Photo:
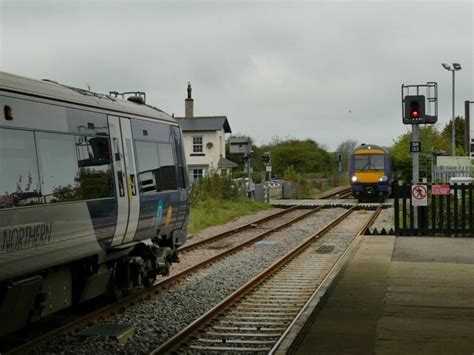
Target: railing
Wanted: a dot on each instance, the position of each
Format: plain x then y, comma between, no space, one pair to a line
444,173
445,215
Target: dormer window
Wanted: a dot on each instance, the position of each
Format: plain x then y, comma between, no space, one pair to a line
197,144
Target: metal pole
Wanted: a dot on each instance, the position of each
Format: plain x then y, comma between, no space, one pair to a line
249,193
467,129
453,131
415,137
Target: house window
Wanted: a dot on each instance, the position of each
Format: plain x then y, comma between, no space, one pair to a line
197,144
197,174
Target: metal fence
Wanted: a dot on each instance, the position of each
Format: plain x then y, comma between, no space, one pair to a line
445,215
444,173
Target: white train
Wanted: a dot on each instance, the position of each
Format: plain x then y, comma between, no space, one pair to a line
93,196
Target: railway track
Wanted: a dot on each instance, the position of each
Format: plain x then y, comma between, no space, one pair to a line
192,245
144,294
342,193
254,318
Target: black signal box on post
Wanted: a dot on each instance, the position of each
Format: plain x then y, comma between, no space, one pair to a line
421,108
265,157
414,109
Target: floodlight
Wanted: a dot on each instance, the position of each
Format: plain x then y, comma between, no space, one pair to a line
446,66
457,66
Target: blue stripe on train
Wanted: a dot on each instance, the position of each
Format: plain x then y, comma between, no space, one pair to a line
104,218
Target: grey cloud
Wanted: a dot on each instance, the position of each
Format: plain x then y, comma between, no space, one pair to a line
275,68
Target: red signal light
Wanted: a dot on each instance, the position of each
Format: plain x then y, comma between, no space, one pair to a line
415,114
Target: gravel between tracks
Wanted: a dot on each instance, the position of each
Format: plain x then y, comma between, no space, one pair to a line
159,318
196,255
320,263
237,222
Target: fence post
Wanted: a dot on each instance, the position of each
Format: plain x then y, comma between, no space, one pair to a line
441,215
448,213
471,216
455,207
396,206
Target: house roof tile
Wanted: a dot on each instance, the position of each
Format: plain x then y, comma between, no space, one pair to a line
204,123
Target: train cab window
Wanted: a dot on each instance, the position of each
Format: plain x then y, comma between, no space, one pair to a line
369,162
58,167
19,182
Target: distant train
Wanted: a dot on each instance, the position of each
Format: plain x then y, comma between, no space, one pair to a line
93,196
370,173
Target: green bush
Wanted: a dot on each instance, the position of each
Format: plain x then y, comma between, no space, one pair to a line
214,186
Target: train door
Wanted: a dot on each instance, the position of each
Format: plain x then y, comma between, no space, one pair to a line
131,179
182,175
125,180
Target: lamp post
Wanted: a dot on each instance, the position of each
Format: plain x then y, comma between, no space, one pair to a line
456,67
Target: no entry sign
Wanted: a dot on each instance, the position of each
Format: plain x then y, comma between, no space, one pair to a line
419,195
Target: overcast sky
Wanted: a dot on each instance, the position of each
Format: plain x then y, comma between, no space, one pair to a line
329,70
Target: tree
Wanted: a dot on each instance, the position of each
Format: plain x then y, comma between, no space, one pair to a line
305,156
460,126
347,146
431,141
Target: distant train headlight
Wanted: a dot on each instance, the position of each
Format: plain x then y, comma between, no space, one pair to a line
383,179
354,178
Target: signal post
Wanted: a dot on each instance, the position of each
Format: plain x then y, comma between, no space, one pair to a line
418,109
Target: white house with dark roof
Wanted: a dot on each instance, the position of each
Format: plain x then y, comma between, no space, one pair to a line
204,142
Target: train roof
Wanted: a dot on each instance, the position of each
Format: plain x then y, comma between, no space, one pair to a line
369,146
55,91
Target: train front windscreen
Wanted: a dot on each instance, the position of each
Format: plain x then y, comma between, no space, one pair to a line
365,162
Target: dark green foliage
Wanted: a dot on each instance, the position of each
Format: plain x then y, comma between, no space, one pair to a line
214,186
459,125
305,156
431,141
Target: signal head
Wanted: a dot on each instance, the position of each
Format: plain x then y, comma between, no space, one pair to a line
414,109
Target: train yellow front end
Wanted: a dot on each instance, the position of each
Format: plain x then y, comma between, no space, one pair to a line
370,173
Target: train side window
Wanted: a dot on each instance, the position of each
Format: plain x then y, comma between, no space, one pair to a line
58,167
94,161
167,167
147,166
19,181
150,131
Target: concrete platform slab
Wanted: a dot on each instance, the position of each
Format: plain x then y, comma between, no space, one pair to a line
399,296
434,249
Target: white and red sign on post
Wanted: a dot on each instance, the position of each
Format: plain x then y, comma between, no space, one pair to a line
440,189
419,195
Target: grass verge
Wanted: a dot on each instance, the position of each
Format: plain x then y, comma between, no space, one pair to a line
214,212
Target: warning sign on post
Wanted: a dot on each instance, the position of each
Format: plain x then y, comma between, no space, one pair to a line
419,195
441,189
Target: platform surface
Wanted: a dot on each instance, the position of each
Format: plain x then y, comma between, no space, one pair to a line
400,295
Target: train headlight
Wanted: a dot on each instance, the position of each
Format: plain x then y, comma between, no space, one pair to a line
383,178
354,178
